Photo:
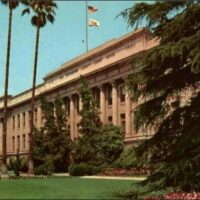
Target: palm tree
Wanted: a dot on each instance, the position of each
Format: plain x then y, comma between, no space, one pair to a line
43,11
11,6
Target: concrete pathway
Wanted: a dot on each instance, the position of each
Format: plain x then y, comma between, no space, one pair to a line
136,178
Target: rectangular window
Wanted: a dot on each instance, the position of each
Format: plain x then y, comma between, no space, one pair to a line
109,95
123,122
18,142
35,115
13,122
13,143
29,118
18,121
68,106
24,120
24,141
110,120
77,104
122,93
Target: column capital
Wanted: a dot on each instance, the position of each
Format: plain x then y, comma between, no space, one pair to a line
70,96
101,86
113,83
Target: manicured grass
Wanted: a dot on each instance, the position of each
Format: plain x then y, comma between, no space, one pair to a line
62,188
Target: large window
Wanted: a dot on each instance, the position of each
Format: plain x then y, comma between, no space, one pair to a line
123,122
24,120
18,142
18,121
35,116
13,143
110,120
122,93
13,122
24,141
109,95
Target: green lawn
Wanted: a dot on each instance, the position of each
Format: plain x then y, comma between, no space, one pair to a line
62,188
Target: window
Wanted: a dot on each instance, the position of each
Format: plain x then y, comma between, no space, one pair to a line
24,141
13,122
110,120
13,143
24,120
18,142
29,118
35,116
123,122
68,127
68,106
109,95
122,93
77,104
97,96
18,121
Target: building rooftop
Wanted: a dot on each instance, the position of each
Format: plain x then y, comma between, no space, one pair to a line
91,52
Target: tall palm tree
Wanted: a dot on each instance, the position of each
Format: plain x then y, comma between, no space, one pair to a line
43,11
11,6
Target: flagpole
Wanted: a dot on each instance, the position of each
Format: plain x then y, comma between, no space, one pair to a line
86,39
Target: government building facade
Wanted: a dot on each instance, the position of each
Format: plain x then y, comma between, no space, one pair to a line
105,68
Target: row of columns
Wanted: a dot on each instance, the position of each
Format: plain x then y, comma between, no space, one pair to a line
74,116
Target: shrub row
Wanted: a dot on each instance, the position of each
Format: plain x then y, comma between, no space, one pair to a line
83,169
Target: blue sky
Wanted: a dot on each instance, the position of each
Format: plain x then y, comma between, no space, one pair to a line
59,42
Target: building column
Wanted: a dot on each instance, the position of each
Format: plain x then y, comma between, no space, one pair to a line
102,104
80,103
114,104
76,115
39,116
128,115
72,117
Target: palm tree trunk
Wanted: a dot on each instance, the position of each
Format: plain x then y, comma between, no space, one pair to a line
31,164
4,169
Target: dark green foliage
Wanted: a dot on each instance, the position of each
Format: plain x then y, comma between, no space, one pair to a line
83,169
90,125
162,77
52,142
97,144
18,164
109,144
127,159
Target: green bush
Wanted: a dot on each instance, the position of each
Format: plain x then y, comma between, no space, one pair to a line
127,159
43,170
24,165
83,169
109,144
18,164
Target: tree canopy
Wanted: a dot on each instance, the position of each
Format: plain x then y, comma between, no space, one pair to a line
167,81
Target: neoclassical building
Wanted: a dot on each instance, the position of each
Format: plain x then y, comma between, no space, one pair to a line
106,68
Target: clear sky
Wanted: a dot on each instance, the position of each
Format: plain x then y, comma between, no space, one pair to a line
59,42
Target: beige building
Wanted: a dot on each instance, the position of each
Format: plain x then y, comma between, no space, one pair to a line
106,68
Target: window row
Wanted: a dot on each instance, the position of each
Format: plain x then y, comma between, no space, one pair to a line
22,120
18,142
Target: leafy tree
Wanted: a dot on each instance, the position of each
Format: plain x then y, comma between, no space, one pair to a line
43,11
90,126
97,144
109,144
167,78
51,144
11,6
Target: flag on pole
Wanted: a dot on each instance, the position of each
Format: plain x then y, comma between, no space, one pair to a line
93,22
91,9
